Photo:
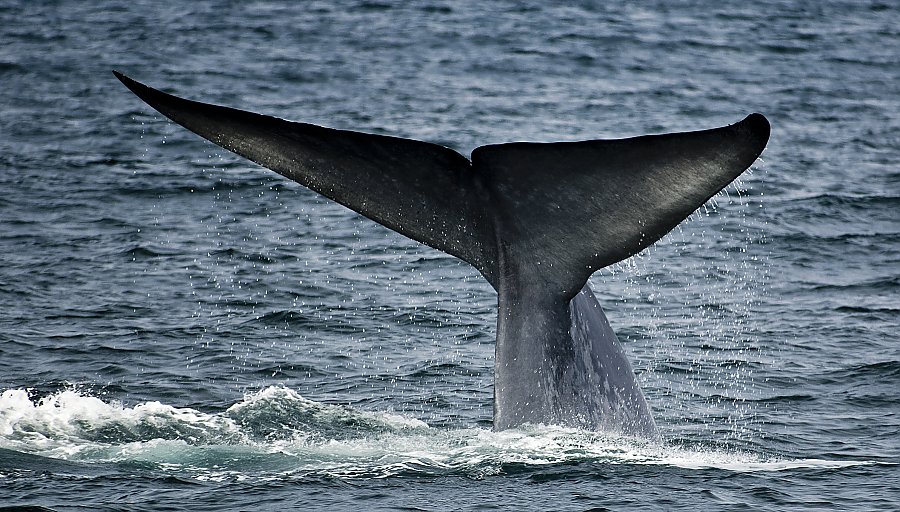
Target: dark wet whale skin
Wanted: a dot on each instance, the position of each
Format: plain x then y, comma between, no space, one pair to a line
564,366
536,219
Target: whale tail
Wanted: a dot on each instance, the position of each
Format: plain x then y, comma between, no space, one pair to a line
555,212
535,219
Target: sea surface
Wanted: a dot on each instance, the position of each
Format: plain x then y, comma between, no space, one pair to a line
183,330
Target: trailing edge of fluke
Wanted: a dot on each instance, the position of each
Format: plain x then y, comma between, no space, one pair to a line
536,219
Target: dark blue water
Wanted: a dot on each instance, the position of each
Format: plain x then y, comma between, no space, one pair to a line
181,329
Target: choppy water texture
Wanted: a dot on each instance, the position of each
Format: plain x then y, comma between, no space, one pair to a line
181,329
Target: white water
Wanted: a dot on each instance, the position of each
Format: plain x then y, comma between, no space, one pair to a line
277,433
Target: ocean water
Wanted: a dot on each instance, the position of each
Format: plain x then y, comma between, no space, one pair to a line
180,329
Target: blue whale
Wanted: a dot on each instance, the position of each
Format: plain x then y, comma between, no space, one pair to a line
535,219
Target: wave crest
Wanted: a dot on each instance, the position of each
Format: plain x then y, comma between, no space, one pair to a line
277,433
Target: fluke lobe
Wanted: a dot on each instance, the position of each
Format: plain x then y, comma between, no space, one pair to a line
536,219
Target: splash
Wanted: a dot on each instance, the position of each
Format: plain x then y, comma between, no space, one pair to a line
276,433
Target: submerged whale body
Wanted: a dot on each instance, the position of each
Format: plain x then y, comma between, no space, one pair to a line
535,219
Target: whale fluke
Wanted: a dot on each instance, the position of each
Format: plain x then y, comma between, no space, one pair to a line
536,219
576,207
421,190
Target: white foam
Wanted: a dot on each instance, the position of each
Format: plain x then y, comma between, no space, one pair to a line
300,436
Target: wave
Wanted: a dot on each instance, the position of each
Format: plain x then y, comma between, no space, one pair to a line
276,433
881,370
848,200
881,283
